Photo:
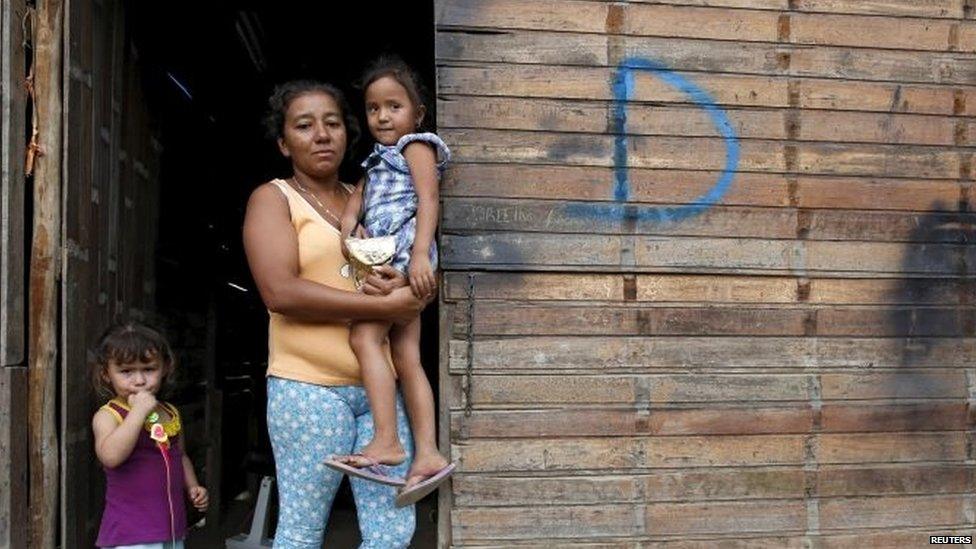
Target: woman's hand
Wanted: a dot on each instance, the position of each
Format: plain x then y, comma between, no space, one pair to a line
383,280
421,276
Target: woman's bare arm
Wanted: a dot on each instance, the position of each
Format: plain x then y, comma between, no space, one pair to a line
354,205
271,246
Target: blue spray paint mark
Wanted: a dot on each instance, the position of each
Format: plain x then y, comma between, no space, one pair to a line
623,90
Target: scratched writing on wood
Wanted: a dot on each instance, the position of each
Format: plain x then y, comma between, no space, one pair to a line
502,214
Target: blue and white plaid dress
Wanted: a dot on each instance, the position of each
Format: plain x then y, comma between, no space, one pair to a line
390,199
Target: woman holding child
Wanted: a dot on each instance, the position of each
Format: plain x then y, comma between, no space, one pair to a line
318,407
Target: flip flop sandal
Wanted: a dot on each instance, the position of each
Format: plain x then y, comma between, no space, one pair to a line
417,492
373,471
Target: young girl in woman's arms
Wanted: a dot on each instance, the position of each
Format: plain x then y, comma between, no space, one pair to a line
399,198
138,441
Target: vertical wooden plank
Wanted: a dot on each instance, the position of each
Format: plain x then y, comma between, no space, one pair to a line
13,376
137,223
447,397
117,156
13,458
101,39
445,387
44,271
13,113
147,283
125,226
13,380
129,222
80,477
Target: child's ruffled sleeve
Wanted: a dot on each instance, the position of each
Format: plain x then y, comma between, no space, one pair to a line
443,153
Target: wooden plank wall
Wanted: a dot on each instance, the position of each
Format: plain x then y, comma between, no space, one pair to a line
111,210
790,364
13,124
13,373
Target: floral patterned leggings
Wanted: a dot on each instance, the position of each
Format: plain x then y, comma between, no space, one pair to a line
308,423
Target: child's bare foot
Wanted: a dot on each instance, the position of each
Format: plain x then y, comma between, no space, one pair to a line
424,466
389,453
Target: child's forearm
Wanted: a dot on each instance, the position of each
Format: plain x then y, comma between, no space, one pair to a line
422,160
118,445
427,210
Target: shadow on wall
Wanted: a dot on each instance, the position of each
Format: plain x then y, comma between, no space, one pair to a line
935,321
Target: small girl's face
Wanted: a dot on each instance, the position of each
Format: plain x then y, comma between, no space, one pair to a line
132,377
389,111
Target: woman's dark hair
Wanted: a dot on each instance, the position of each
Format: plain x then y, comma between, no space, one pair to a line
284,94
125,343
394,67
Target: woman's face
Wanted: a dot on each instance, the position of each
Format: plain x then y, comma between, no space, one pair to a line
314,136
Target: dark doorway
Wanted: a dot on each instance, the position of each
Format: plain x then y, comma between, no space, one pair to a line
208,69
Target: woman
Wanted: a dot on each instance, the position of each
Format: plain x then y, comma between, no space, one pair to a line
317,406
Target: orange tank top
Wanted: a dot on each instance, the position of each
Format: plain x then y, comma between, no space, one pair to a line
313,351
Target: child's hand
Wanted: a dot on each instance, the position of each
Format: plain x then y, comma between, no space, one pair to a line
421,276
142,402
199,497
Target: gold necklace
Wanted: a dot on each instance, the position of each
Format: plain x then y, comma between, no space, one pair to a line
316,199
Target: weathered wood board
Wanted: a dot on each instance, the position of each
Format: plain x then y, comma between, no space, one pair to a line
14,488
13,130
709,273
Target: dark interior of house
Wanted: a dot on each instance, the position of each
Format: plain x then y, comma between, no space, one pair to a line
208,69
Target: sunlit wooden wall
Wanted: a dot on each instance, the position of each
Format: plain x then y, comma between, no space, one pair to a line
728,297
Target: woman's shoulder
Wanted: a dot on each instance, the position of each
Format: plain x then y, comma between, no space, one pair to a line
272,192
274,186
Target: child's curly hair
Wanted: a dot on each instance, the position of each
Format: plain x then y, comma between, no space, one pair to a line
125,343
394,67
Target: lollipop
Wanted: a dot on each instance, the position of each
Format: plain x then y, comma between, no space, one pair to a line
158,433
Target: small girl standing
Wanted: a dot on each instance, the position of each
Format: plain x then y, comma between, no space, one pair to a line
138,442
398,197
